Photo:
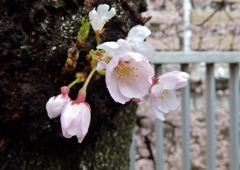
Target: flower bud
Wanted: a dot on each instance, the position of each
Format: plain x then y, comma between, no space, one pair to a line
55,104
75,119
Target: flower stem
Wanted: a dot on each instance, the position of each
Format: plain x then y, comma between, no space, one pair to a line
88,79
83,91
77,80
97,35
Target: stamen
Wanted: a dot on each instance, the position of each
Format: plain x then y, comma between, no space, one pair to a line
126,72
162,96
165,92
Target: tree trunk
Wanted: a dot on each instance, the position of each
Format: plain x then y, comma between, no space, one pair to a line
35,36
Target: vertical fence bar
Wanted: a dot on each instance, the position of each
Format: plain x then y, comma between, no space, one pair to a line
234,116
187,33
185,123
210,117
132,152
159,133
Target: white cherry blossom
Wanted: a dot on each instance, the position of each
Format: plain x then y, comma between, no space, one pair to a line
163,97
100,16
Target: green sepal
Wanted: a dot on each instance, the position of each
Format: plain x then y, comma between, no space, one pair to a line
84,29
95,55
103,72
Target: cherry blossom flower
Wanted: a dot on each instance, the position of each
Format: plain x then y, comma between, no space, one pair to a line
115,48
101,16
128,76
163,96
55,104
136,38
112,49
75,118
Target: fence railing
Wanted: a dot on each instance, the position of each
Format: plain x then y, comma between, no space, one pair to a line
184,59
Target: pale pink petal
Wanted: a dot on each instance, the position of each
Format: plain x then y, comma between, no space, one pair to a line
139,80
112,82
182,79
101,16
85,122
69,112
144,48
66,135
169,102
114,90
74,127
156,89
138,33
110,70
101,65
54,106
102,9
79,125
75,120
111,13
93,14
155,101
157,113
96,22
124,46
168,80
108,47
113,49
136,38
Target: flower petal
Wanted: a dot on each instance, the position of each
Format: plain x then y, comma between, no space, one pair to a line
110,70
70,112
143,48
110,13
54,106
155,101
85,122
139,81
102,9
156,89
114,90
168,80
182,79
75,120
138,33
101,65
169,102
113,49
157,113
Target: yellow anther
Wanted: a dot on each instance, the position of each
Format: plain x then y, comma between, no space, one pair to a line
162,96
166,91
126,72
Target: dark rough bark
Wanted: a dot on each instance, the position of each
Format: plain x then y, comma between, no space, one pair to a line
35,36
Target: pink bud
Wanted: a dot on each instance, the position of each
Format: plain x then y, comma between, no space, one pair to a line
65,90
75,120
55,104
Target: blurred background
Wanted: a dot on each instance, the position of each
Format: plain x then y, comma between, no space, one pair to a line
197,135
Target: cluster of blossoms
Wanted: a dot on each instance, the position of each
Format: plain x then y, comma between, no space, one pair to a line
128,76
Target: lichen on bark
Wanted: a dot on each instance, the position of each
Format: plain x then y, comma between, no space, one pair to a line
35,36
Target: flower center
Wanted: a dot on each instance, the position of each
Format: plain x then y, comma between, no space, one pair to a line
162,96
126,72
